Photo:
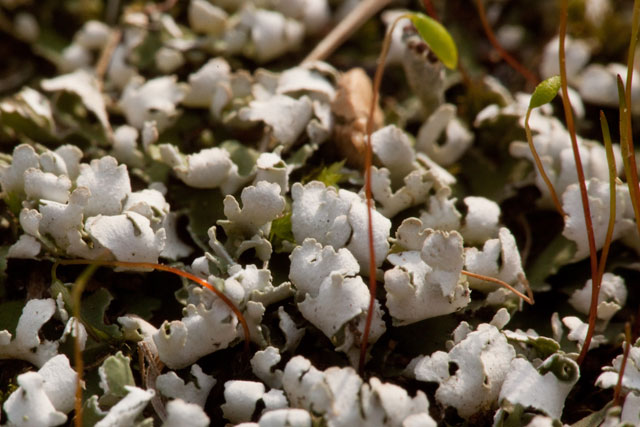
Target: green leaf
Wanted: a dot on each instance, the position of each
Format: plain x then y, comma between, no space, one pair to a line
557,253
28,114
93,313
4,251
563,367
10,312
437,37
116,374
204,208
244,157
57,287
281,231
143,306
545,92
595,419
144,54
91,412
330,175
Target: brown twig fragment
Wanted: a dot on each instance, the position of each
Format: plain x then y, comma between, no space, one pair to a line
107,53
354,20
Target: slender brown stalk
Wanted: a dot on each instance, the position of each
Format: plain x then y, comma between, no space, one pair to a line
581,179
522,279
431,11
617,395
76,297
367,190
613,173
107,53
536,158
528,299
176,271
514,63
596,281
630,158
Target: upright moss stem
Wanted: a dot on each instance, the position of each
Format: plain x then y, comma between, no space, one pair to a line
517,66
617,395
568,113
631,170
543,174
368,160
613,173
76,298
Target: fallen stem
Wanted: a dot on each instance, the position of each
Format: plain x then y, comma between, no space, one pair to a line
341,32
566,103
528,299
176,271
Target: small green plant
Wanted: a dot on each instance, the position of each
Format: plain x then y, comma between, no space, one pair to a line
568,112
442,45
628,157
543,94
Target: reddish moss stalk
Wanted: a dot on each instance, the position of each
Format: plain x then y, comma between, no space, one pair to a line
543,174
76,296
612,201
568,113
431,11
617,395
527,298
521,69
632,170
368,161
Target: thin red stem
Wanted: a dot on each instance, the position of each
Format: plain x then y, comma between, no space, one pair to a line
568,114
431,11
79,365
528,299
611,161
368,160
617,395
177,271
632,173
543,174
76,296
514,63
